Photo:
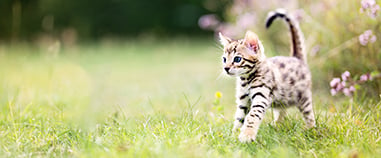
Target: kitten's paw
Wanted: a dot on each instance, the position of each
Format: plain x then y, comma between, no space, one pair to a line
247,135
310,123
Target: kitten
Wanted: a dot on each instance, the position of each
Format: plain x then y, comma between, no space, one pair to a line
278,81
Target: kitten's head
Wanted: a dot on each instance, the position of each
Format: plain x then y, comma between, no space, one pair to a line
241,56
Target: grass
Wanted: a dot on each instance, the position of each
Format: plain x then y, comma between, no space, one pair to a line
156,99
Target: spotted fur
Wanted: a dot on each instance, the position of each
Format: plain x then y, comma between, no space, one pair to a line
262,82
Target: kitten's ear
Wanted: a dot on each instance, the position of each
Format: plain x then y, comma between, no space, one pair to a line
224,40
251,40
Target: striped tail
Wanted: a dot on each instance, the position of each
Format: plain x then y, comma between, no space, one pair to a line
297,49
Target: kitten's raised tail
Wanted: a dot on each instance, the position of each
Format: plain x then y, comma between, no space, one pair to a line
297,39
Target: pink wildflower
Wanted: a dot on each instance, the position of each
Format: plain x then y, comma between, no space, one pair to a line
352,89
365,4
209,21
370,7
347,92
365,77
367,37
333,92
246,20
373,11
373,39
343,83
345,76
334,82
340,86
228,30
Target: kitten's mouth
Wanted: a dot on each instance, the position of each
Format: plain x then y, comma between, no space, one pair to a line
227,70
231,74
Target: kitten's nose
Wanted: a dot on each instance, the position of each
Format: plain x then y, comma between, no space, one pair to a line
227,69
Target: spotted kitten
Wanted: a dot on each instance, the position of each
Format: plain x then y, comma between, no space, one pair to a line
278,81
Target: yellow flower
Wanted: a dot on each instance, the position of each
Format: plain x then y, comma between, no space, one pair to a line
358,122
218,94
332,109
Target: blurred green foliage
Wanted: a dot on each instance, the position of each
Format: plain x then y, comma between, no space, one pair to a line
25,19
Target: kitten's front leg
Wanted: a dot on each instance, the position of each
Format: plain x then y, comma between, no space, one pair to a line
243,103
260,101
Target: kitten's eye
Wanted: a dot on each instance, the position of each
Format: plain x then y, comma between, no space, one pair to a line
237,59
224,59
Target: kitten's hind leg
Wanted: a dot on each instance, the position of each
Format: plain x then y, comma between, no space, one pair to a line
305,107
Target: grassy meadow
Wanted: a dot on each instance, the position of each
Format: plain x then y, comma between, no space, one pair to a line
157,98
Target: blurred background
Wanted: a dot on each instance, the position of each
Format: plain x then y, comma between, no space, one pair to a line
29,20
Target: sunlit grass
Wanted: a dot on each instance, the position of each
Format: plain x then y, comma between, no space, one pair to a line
157,99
